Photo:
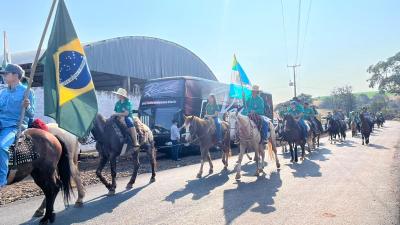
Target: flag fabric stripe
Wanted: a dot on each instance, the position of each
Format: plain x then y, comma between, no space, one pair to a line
69,94
240,83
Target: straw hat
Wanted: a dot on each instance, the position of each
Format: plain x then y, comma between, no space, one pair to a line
122,92
255,88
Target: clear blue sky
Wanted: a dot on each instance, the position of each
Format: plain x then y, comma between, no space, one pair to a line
344,36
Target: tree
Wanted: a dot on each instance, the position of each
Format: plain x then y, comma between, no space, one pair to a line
378,103
363,99
343,98
305,98
386,75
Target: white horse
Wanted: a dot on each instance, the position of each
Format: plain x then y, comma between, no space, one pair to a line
72,144
250,138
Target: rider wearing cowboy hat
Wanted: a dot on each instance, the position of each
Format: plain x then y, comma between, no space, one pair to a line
255,105
123,109
11,103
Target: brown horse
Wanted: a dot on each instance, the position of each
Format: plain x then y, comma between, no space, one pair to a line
110,139
202,132
51,170
72,146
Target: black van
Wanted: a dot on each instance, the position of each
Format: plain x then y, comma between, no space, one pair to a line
165,99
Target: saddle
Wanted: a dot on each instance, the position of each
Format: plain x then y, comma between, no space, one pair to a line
22,152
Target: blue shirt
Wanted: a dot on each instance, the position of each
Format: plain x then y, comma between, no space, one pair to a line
11,105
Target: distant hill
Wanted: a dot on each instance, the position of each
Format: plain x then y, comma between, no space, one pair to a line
370,94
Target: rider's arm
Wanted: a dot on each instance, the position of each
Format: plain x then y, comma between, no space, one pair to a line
30,111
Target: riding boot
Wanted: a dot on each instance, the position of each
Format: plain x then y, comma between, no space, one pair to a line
132,132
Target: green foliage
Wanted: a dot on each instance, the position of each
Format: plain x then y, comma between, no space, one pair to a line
386,75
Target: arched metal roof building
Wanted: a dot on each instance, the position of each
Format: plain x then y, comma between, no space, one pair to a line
113,61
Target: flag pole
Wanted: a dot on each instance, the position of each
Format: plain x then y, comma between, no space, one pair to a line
33,68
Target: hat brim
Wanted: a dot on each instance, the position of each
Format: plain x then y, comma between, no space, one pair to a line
120,94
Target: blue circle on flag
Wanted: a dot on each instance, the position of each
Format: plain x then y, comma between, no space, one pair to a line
74,72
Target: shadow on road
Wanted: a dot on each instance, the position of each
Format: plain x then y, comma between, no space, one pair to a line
380,147
92,208
260,192
307,168
200,187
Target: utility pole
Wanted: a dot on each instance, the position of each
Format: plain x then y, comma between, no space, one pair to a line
294,78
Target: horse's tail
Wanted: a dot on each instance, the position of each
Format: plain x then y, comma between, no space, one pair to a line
64,172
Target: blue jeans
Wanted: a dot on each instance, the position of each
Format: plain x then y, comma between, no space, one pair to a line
176,148
218,131
129,121
264,128
303,127
7,137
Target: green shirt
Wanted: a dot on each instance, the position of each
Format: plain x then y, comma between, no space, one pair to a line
296,111
255,104
308,113
125,106
211,109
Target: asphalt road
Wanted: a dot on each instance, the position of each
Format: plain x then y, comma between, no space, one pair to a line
338,184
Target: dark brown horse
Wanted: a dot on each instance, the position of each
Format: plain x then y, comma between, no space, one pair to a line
51,170
202,131
110,139
292,134
366,129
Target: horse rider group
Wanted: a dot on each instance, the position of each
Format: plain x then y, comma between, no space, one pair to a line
255,107
301,112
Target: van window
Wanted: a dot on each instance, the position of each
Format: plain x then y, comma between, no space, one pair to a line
164,116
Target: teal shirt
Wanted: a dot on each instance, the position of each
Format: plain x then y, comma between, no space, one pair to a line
254,104
296,111
211,109
309,113
125,106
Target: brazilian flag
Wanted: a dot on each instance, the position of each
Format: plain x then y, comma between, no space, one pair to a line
69,94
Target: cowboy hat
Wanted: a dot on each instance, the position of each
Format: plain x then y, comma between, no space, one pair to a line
122,92
255,88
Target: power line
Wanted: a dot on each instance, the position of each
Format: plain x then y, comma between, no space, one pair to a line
284,32
298,31
285,36
305,32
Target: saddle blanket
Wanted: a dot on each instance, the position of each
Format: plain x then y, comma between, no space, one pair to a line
22,152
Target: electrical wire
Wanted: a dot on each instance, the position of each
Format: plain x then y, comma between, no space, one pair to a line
298,31
305,32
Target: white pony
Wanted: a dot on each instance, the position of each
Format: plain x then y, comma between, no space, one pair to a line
249,138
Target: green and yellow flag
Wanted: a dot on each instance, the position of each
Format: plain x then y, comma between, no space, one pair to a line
69,94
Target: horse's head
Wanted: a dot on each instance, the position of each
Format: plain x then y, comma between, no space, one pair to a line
231,119
288,123
190,127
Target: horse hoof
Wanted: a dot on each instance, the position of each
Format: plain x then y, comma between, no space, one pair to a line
278,165
78,204
211,171
52,218
198,175
44,221
296,160
292,160
111,193
238,176
129,186
38,213
152,180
